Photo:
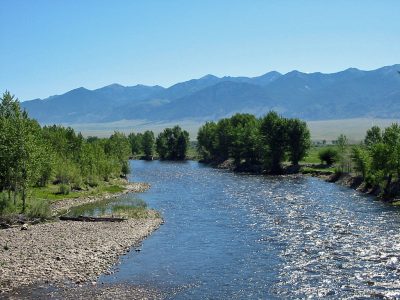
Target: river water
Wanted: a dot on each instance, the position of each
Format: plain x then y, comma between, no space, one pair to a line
257,237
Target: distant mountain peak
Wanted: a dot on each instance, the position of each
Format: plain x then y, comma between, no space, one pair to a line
114,85
209,76
345,94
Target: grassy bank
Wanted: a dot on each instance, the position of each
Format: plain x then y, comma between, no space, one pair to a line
40,199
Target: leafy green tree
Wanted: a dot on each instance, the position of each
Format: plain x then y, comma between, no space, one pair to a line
20,148
328,155
207,141
147,141
299,141
344,157
362,161
245,136
224,139
118,145
391,138
136,142
182,143
274,135
373,136
172,143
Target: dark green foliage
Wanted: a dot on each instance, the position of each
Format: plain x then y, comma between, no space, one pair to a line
148,144
328,155
373,136
299,141
275,136
245,139
362,161
136,141
253,143
172,143
207,141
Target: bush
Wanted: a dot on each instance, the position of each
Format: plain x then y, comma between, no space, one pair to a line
328,155
40,209
92,181
3,203
64,189
125,170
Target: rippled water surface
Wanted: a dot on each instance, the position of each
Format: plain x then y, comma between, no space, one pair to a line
256,237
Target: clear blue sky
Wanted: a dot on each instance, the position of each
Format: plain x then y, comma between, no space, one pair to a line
50,47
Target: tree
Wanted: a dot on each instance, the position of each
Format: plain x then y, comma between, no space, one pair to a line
274,135
182,144
391,138
344,160
207,141
224,139
148,144
328,155
245,140
136,142
20,148
362,161
373,136
172,143
299,141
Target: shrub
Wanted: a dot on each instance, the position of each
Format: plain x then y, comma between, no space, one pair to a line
328,155
64,189
3,203
39,209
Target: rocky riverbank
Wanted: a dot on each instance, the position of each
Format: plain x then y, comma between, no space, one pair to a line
68,252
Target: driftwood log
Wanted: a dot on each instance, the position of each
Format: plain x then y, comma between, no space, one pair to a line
92,219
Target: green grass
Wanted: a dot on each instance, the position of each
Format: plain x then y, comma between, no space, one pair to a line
51,192
111,189
135,209
133,212
313,154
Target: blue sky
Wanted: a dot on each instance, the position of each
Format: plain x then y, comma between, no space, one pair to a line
50,47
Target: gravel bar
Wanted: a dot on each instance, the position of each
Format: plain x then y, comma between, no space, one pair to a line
66,252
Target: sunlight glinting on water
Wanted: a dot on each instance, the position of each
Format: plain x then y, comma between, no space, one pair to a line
255,237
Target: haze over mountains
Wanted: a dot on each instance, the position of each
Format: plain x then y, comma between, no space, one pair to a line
351,93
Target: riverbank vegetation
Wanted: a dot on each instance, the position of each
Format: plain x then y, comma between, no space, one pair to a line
371,166
254,144
377,160
170,144
52,161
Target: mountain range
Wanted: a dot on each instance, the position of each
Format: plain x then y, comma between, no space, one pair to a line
351,93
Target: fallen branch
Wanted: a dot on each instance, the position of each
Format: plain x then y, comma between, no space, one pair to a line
92,219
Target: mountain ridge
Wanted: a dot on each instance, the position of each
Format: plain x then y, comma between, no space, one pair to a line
351,93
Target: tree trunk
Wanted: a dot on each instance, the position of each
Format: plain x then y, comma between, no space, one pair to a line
23,200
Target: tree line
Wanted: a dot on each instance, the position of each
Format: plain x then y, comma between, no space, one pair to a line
34,156
170,144
253,143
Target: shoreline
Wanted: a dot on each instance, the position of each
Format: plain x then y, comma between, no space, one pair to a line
60,253
354,182
59,206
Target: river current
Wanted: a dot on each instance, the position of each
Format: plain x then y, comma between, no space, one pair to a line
241,236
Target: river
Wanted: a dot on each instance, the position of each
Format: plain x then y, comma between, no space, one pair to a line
241,236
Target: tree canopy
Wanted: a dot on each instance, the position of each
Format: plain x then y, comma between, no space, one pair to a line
264,142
